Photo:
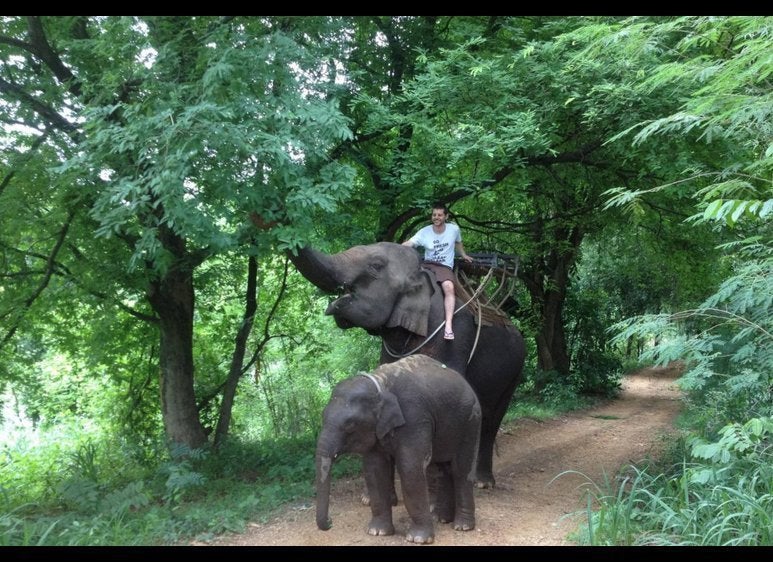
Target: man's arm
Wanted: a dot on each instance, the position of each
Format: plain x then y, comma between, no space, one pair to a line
460,250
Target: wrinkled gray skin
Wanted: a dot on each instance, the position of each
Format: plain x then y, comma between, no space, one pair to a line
416,413
383,290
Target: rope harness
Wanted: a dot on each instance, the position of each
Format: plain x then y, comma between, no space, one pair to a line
375,381
475,295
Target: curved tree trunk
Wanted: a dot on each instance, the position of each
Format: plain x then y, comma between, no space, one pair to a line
240,347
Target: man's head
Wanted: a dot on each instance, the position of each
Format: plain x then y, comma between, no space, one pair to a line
439,214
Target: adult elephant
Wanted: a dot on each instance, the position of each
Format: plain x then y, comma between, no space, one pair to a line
384,290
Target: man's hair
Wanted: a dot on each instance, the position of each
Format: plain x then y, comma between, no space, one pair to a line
439,205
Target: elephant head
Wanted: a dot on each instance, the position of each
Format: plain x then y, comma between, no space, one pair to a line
381,286
359,413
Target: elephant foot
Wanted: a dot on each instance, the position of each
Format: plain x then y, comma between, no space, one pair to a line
443,515
464,524
420,536
484,481
380,530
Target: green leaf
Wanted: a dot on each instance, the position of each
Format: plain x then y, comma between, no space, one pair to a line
712,211
702,476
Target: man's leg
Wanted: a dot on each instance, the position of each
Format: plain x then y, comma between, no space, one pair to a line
449,302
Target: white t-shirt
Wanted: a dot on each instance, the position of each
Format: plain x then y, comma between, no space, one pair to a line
438,247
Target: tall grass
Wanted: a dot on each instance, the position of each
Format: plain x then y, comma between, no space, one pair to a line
192,494
724,497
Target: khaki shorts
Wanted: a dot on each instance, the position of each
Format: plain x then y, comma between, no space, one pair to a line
442,272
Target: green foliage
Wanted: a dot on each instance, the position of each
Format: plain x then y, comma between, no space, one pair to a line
196,152
596,368
723,498
170,134
179,475
545,394
194,493
725,340
16,531
737,443
725,64
172,131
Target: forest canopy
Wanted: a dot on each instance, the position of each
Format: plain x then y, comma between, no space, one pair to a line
157,171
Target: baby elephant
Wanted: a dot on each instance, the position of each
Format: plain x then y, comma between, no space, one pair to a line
413,412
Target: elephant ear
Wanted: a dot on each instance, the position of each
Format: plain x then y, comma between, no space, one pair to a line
390,416
411,310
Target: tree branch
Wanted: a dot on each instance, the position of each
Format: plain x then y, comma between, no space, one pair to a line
24,157
576,156
104,296
17,43
46,112
42,48
269,318
50,264
719,313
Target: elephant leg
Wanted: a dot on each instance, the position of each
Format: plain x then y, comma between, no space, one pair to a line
378,476
413,478
484,475
365,498
463,471
433,476
445,503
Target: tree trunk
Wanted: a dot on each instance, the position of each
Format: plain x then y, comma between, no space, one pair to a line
172,299
547,279
552,353
237,360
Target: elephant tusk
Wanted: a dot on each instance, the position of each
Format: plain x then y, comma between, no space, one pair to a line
338,303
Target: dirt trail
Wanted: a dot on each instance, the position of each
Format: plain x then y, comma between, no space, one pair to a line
529,506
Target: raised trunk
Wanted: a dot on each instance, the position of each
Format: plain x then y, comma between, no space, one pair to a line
324,463
318,268
172,299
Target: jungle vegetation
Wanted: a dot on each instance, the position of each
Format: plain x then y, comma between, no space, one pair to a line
162,366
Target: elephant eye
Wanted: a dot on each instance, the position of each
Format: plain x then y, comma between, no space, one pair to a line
375,268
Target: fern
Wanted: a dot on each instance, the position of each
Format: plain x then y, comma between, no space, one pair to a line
179,473
131,497
80,494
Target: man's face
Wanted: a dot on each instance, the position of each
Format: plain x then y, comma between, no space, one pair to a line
438,217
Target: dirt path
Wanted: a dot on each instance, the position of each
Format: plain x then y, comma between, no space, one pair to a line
529,506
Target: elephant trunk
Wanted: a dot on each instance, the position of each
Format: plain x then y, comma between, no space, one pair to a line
321,269
324,464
